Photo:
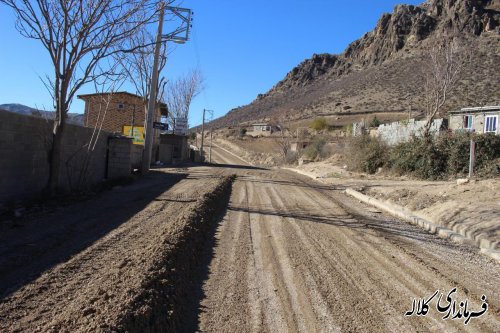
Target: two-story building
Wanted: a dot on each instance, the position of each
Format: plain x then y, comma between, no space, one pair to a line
123,113
119,112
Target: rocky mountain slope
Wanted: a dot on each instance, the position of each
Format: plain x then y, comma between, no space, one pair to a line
73,118
384,69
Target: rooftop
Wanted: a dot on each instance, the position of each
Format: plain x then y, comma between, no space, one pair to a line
104,94
478,109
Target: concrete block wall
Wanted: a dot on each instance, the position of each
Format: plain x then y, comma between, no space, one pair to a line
166,152
136,156
24,152
119,158
402,131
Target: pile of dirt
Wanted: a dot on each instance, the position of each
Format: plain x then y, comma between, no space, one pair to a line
140,276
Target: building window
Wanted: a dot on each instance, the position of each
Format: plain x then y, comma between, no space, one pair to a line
468,122
120,106
490,124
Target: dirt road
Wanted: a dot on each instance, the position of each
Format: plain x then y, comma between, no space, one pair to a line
295,256
285,255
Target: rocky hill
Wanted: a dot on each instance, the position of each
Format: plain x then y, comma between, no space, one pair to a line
73,118
384,69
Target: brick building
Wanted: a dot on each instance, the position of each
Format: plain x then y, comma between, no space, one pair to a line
116,110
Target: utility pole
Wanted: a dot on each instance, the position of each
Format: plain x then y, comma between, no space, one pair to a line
180,35
148,142
202,135
203,131
210,151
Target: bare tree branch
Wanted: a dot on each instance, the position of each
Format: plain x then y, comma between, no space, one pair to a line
445,66
181,92
78,35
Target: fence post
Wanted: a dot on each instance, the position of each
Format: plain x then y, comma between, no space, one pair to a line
472,157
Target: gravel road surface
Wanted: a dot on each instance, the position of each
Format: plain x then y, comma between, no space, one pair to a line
286,255
296,256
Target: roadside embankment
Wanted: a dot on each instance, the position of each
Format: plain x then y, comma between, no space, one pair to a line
160,304
142,275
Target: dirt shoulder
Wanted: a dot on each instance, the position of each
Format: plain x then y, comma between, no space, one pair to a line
121,262
472,208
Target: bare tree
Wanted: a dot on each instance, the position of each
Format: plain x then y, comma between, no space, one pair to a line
181,92
78,35
138,65
284,138
445,66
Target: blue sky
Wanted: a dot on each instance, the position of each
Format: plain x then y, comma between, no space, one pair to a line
242,48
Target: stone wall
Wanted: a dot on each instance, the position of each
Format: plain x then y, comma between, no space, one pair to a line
402,131
24,149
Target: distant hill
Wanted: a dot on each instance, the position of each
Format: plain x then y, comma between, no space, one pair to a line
383,70
73,118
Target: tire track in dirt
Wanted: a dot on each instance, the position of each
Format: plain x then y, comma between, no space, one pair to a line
332,254
419,256
420,279
322,264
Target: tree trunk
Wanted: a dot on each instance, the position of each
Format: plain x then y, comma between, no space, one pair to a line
427,126
55,161
55,158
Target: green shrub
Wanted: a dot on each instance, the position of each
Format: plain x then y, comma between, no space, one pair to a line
491,169
319,124
366,154
314,149
456,147
421,157
375,122
446,156
487,150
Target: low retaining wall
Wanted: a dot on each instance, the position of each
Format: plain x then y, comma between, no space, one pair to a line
487,247
119,157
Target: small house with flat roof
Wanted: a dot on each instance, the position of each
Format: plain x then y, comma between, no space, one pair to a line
480,120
